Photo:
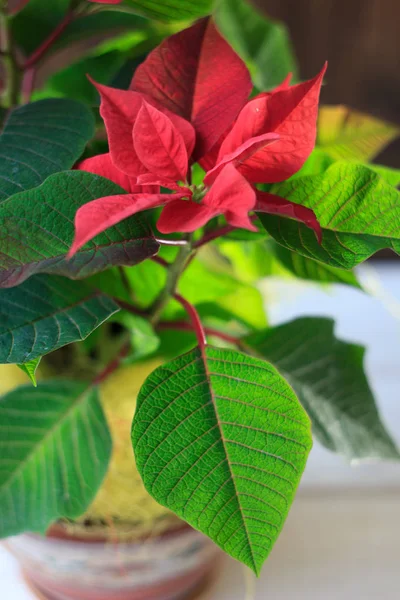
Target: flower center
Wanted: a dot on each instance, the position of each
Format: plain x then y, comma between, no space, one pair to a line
199,191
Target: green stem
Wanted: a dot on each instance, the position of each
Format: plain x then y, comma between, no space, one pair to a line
175,270
10,94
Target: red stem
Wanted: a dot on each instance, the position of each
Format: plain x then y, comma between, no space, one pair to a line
217,233
113,365
160,261
194,316
184,326
53,37
28,84
130,308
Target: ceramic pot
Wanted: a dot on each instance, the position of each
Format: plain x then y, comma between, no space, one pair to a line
170,567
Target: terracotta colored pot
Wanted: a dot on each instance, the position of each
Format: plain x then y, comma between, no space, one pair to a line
171,567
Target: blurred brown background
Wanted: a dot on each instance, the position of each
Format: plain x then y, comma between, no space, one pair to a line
361,41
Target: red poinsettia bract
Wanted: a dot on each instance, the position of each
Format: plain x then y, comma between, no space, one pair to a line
189,102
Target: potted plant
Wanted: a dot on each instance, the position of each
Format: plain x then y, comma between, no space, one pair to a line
133,237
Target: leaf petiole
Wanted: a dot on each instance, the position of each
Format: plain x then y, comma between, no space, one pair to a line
195,318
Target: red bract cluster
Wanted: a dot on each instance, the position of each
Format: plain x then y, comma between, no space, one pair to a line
188,102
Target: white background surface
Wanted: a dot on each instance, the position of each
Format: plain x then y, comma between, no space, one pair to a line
342,538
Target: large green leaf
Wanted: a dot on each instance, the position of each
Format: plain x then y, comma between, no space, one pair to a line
312,270
55,447
48,312
221,439
346,134
264,44
40,139
328,377
37,230
358,211
34,24
173,10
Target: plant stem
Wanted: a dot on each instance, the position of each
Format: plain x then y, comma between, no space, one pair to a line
196,322
126,283
39,53
113,365
10,93
28,84
217,233
184,326
161,261
130,308
175,270
195,326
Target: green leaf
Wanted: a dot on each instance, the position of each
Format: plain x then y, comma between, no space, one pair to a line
147,280
312,270
346,134
40,139
107,23
38,229
201,283
358,211
328,377
221,440
262,43
46,313
144,339
55,448
173,10
30,369
391,176
73,83
318,162
34,24
249,261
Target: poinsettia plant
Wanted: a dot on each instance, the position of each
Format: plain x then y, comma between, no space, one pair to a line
139,207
